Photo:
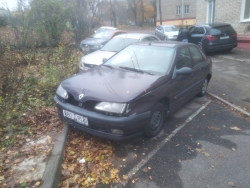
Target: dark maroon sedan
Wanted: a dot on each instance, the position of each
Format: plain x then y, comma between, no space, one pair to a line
132,92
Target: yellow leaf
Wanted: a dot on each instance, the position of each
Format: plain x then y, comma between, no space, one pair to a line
89,158
71,152
233,149
125,177
1,178
235,128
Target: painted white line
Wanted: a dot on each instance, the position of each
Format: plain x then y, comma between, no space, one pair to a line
230,104
153,152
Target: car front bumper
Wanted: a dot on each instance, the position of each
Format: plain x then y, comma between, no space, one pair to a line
100,125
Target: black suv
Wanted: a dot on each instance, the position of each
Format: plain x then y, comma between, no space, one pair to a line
213,37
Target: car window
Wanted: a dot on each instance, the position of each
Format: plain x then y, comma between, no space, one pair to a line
170,29
154,59
149,39
116,44
196,55
103,33
221,30
184,59
197,30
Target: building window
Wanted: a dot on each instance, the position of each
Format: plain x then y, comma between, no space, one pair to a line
178,10
245,11
186,9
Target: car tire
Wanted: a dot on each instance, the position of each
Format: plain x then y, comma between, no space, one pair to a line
203,88
156,121
228,50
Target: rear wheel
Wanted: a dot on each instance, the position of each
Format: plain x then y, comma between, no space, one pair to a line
228,50
203,89
157,118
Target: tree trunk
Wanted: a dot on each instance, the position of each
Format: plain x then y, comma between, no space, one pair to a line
142,13
160,12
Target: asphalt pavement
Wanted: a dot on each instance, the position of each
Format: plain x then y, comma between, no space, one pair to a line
204,144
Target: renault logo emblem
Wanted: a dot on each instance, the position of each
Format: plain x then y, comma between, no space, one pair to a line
81,96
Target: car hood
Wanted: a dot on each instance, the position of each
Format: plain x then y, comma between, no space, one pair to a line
93,41
172,33
111,85
95,58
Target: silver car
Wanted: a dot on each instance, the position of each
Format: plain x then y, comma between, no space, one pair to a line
167,32
114,45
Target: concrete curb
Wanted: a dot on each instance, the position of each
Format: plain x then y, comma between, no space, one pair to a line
52,174
230,104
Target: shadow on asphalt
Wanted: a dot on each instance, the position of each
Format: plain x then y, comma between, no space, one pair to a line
212,125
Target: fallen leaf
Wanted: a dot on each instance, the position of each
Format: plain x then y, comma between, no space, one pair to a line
149,167
233,149
1,178
38,183
150,177
235,128
231,184
206,154
123,160
145,169
125,177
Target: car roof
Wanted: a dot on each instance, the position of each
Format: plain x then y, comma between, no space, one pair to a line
167,25
108,27
171,44
216,24
134,35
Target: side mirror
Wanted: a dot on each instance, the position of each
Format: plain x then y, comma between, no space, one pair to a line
104,60
184,71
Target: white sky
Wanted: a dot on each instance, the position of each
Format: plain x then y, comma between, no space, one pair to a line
11,4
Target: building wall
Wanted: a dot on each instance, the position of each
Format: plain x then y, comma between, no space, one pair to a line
225,11
169,16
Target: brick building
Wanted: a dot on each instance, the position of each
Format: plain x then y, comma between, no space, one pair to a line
235,12
177,12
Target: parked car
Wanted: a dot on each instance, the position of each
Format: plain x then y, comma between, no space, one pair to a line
214,37
133,91
101,37
114,45
166,32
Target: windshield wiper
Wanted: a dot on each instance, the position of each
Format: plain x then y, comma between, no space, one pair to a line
136,70
109,66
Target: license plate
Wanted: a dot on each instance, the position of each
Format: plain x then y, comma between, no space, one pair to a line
79,119
225,37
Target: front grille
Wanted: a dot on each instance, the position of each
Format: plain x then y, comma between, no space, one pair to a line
88,105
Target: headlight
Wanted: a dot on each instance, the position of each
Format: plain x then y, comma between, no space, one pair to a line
62,92
111,107
81,64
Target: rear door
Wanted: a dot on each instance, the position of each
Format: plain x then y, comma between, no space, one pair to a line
181,84
160,32
197,33
199,67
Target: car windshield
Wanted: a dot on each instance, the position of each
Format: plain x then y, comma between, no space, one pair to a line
116,44
169,29
150,59
103,33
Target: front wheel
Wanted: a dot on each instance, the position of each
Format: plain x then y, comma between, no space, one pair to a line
157,118
203,89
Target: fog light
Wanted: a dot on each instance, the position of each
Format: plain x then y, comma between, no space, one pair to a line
116,131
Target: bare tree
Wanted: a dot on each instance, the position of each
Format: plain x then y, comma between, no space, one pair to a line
113,13
142,12
160,12
133,7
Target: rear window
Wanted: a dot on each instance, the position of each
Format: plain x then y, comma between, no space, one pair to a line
222,30
116,44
